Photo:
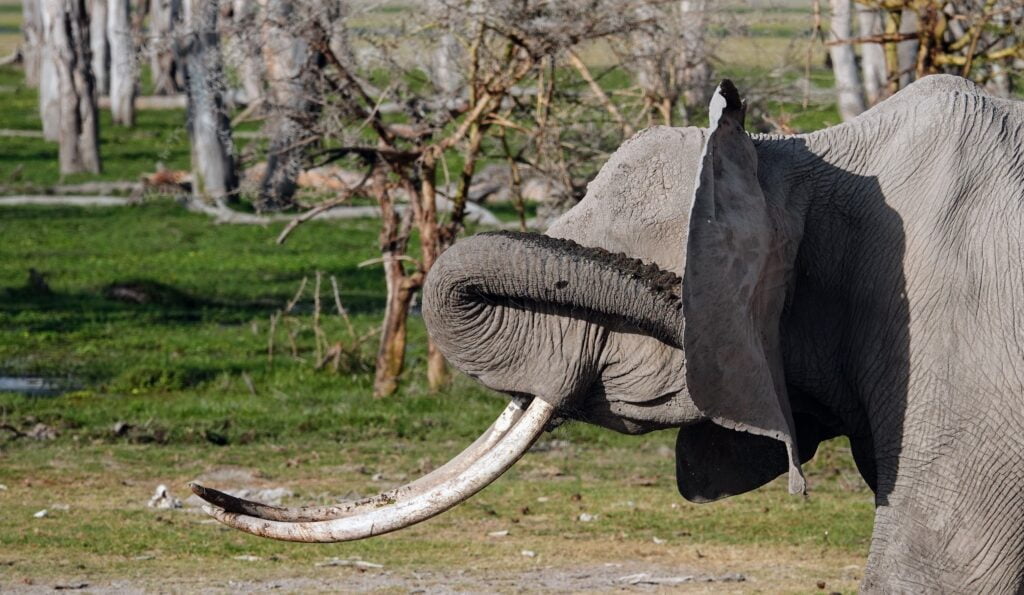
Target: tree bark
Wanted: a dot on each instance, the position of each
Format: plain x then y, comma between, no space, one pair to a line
164,18
844,62
647,60
872,54
32,46
292,70
430,249
1000,83
100,45
49,80
340,42
68,36
695,74
215,178
892,55
394,238
391,354
446,75
122,62
246,48
907,50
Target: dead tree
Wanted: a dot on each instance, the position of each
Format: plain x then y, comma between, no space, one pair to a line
244,48
443,64
49,77
68,37
668,53
215,179
695,72
100,45
977,39
844,61
164,18
32,44
873,77
293,68
406,155
123,71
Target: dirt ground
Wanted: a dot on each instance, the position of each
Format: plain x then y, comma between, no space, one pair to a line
686,570
525,534
631,576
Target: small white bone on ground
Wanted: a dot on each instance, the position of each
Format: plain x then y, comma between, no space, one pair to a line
163,499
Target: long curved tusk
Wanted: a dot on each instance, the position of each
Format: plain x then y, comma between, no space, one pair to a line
399,515
452,468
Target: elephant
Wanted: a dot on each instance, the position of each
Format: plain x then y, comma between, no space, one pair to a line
764,294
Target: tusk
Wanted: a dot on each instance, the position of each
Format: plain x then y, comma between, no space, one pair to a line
451,469
430,503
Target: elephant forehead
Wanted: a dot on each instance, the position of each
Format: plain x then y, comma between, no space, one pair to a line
639,203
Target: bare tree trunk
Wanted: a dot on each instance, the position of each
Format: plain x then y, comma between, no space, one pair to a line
164,17
292,70
100,45
647,61
122,62
872,54
394,238
337,27
668,54
213,152
445,74
391,355
695,75
246,48
49,78
79,127
908,49
1000,83
32,47
430,249
844,61
892,54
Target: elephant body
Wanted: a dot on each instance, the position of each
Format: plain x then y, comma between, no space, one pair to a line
865,280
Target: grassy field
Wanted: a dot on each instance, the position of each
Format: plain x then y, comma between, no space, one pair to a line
162,395
184,387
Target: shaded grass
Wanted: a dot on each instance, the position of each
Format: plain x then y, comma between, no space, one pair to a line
128,358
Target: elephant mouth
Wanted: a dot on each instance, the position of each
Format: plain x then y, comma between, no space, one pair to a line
521,271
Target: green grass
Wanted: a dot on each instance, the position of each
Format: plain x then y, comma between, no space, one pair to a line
174,372
130,358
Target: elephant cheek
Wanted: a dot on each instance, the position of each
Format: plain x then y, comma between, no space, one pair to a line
516,351
642,387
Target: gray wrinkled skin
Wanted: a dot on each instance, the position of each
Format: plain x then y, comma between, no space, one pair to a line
865,280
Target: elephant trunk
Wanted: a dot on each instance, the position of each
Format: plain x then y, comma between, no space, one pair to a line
538,273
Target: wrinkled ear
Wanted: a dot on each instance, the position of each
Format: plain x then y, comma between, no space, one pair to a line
733,295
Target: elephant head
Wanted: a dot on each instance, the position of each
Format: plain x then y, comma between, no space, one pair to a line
654,304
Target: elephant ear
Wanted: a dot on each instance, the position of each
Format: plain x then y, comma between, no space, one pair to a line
733,295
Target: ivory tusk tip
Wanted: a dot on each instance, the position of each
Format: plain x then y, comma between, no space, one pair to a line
213,511
204,492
